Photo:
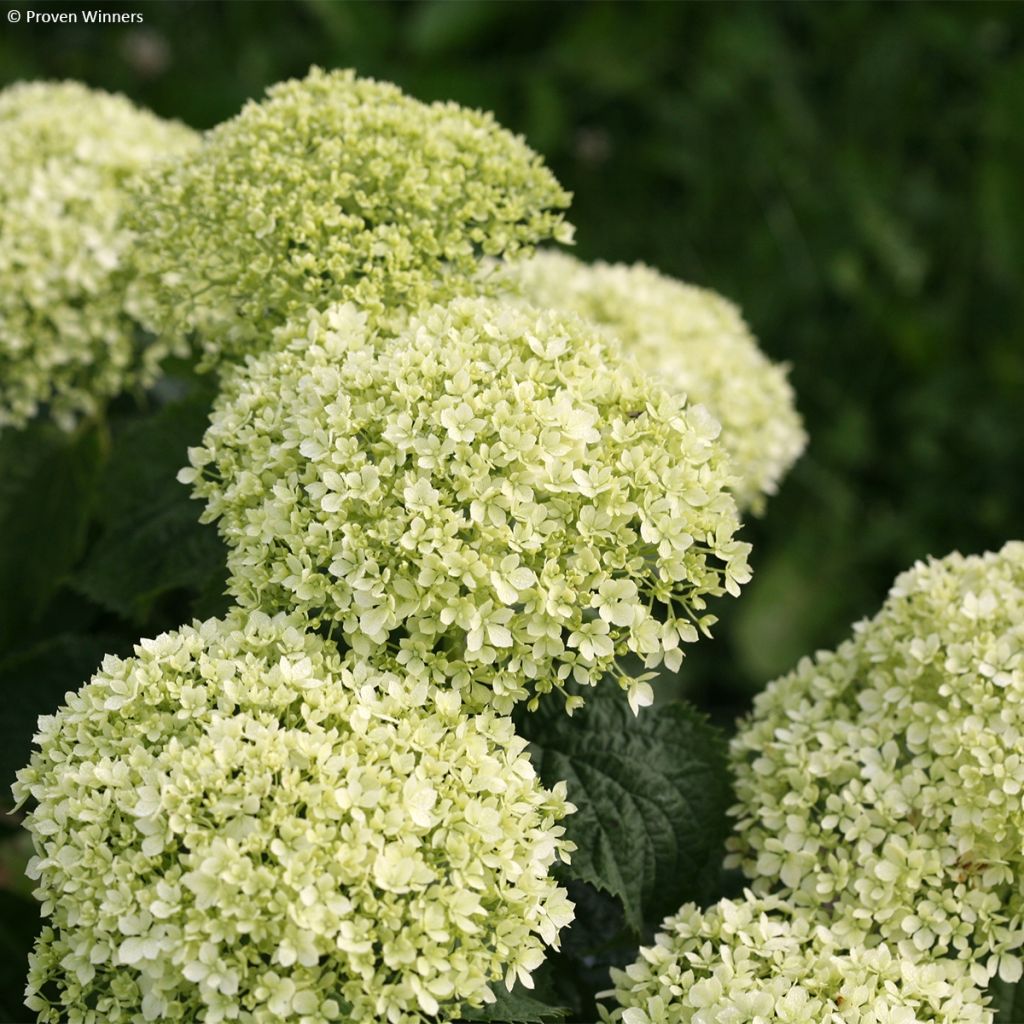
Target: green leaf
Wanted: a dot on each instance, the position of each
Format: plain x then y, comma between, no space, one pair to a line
651,793
34,683
47,485
515,1007
1007,1001
152,543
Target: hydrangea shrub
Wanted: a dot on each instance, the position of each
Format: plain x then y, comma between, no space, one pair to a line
491,492
693,341
239,824
334,188
68,337
453,478
758,959
879,785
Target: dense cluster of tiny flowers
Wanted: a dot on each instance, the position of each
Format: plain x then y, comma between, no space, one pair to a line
693,341
335,188
880,785
492,493
757,961
67,339
239,824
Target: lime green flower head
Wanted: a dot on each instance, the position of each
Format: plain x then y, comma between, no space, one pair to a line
758,960
335,188
882,782
239,824
693,341
67,337
492,492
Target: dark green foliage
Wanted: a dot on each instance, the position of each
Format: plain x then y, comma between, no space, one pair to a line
101,546
47,486
34,683
151,543
1007,1001
516,1007
651,793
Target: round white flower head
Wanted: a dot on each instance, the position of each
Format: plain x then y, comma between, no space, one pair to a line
882,782
693,341
67,340
759,961
238,824
492,492
335,188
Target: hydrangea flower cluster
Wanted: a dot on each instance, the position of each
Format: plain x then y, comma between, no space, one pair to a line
491,492
693,341
67,338
335,188
238,824
756,960
880,785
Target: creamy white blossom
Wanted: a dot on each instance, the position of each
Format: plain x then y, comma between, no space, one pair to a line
493,492
760,961
880,785
692,341
68,339
239,824
334,187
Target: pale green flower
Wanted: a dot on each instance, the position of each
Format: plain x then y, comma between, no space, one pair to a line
760,961
239,824
471,494
335,188
882,783
68,340
693,341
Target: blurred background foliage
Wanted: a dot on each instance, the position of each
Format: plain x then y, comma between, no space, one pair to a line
850,174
